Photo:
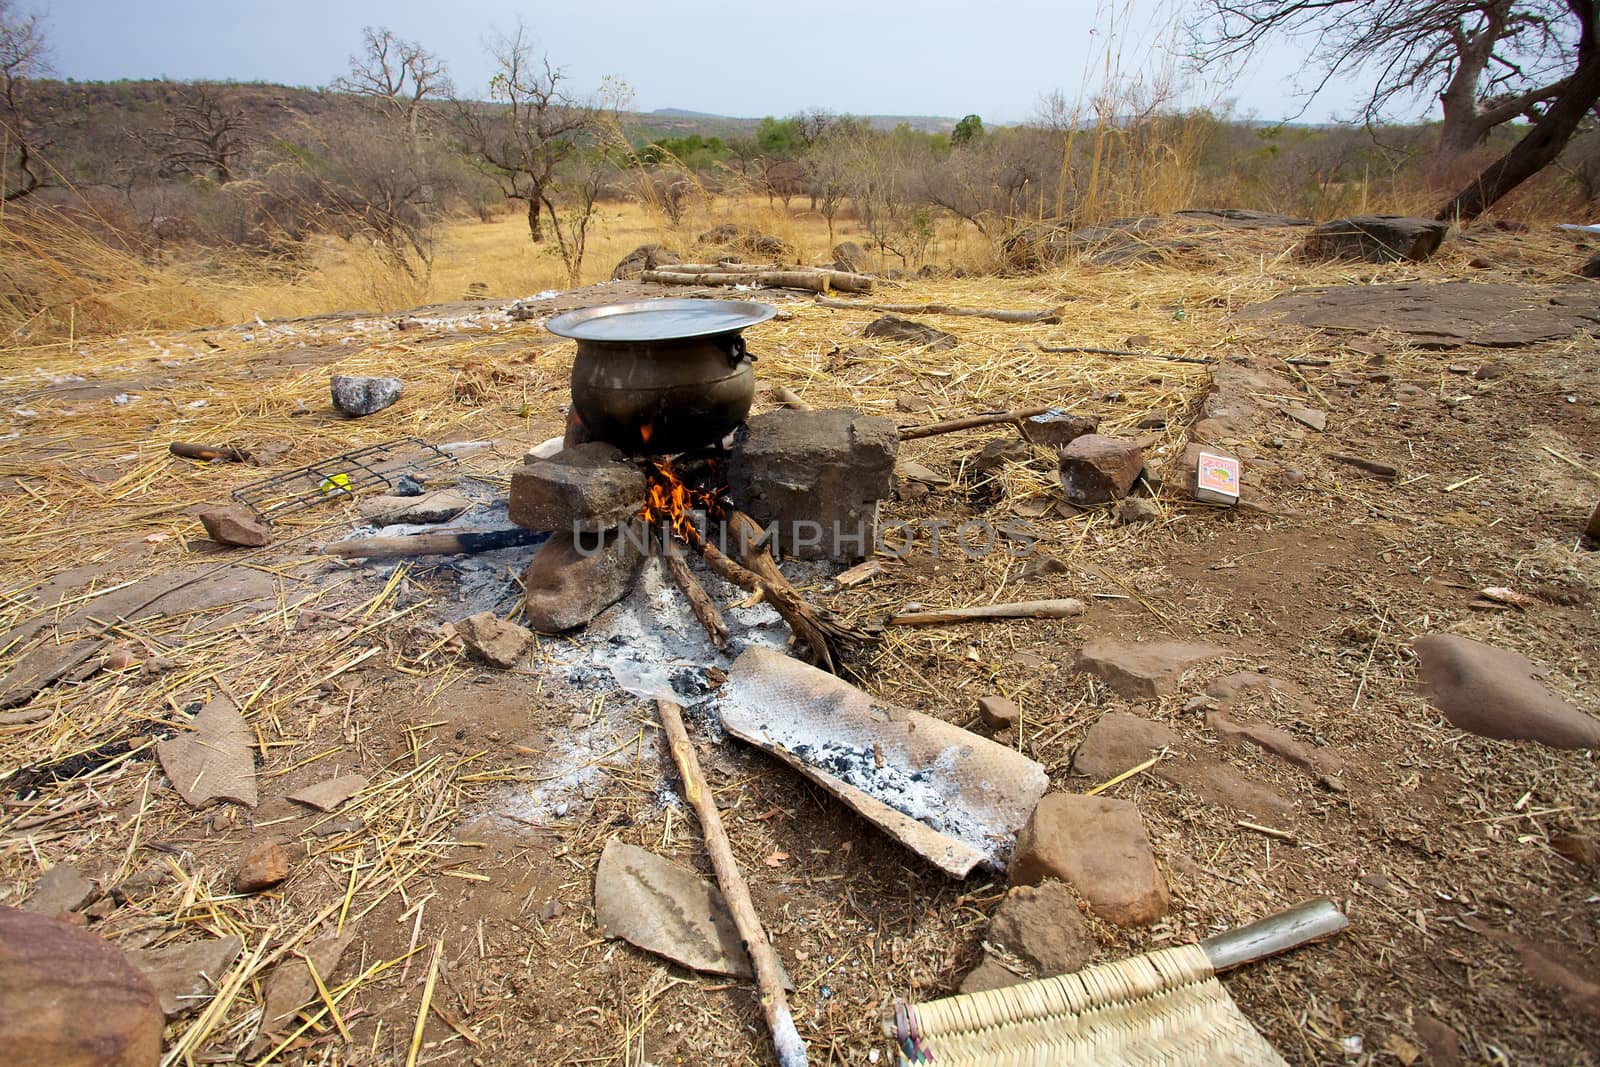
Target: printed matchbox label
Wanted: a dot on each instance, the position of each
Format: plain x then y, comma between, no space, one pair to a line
1218,475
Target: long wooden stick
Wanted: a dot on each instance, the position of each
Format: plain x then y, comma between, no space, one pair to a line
1022,609
972,422
699,600
1127,352
1046,315
786,1039
816,281
208,452
433,544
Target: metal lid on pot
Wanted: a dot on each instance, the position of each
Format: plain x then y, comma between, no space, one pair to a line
659,320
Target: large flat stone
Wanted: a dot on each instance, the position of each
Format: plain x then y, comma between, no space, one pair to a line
69,999
569,582
584,488
1098,846
1494,692
1142,670
1376,238
815,478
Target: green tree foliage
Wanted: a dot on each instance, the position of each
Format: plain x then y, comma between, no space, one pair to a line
969,129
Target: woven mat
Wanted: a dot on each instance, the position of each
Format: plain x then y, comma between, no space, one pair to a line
1164,1007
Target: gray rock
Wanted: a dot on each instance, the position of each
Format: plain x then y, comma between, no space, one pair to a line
422,509
895,328
1591,267
1096,469
1042,925
997,453
494,640
235,524
62,889
357,396
849,256
1243,218
1494,692
1142,670
1132,510
1376,238
587,487
989,974
816,477
186,975
567,584
641,259
1098,846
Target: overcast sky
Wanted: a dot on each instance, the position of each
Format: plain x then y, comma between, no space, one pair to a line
929,57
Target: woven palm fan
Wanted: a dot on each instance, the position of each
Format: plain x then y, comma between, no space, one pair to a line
1164,1007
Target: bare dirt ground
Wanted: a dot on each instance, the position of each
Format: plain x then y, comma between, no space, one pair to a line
1472,938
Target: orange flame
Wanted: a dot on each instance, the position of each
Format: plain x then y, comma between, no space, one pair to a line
670,500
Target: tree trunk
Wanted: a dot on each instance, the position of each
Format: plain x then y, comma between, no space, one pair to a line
535,211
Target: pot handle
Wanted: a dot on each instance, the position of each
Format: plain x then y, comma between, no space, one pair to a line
734,347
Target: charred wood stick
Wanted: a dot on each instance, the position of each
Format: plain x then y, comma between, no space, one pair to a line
434,544
1047,315
1128,352
699,600
815,281
800,616
208,453
908,433
786,1040
1022,609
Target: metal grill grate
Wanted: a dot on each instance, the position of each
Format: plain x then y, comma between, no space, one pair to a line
364,469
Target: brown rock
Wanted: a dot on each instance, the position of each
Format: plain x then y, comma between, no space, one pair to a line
1443,1043
1231,688
235,524
1098,846
567,584
1096,469
291,987
896,328
1280,743
1042,925
215,760
1494,692
1057,429
185,976
327,795
1142,670
998,713
69,999
1133,510
990,974
1579,849
1592,531
263,867
494,640
63,889
1119,740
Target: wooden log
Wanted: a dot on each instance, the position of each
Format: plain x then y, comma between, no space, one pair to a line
815,281
207,453
1022,609
433,544
972,422
1046,315
699,600
789,398
786,1041
1311,921
718,268
1127,352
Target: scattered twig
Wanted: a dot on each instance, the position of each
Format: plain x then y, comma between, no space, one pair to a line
1124,776
1021,609
1047,315
789,398
699,600
1090,351
971,422
208,453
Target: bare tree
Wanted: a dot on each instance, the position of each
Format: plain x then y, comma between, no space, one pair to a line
531,126
205,137
22,56
399,78
1488,61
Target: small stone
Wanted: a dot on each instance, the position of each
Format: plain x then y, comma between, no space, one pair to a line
851,257
1098,846
1043,566
998,453
998,713
1132,510
990,974
567,584
325,796
63,889
910,405
895,328
235,524
1494,692
1592,531
1096,469
1142,670
360,395
494,640
186,975
264,866
1042,925
1591,267
1057,429
424,509
71,999
1312,417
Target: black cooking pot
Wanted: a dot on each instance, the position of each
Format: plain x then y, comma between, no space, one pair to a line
662,376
